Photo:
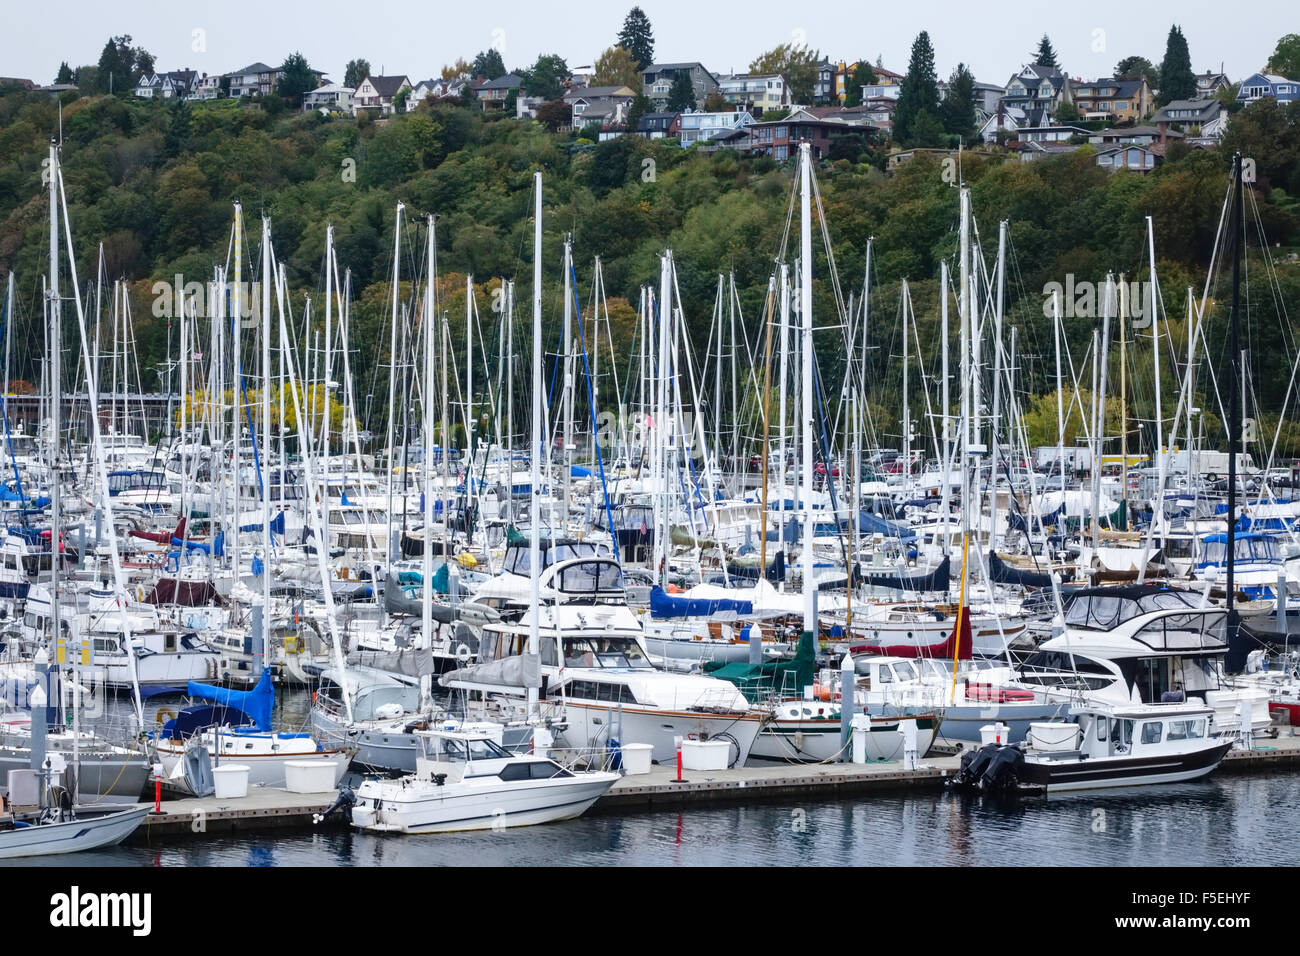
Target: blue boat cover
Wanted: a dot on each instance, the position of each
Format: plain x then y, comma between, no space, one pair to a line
256,703
663,605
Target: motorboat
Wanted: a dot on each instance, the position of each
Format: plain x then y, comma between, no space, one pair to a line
466,781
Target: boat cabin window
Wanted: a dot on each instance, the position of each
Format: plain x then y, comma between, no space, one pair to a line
903,671
1246,548
598,690
1103,609
590,577
451,749
1151,731
1190,729
604,652
1121,732
534,770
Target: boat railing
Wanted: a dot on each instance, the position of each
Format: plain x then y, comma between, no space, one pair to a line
579,759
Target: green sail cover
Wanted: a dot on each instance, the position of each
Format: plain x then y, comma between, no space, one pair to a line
770,677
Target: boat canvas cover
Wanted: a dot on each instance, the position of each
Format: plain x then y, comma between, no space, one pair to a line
936,580
411,661
780,677
184,593
663,605
397,602
256,703
523,670
1002,573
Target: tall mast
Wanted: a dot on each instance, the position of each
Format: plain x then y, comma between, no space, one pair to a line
264,459
55,334
537,444
1234,392
392,380
426,599
805,316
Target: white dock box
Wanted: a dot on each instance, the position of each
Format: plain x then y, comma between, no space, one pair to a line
230,781
636,758
706,754
1054,736
309,776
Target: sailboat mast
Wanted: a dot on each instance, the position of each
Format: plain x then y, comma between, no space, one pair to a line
537,444
805,316
1234,409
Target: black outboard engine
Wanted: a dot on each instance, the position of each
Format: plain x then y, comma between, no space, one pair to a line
343,803
973,765
1002,775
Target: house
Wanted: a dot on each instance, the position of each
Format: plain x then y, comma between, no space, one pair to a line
178,84
256,79
780,139
1116,101
19,82
330,98
1260,85
207,87
581,76
1209,85
1141,159
378,93
1203,119
492,94
657,125
700,127
1032,151
605,104
420,92
756,92
881,90
1037,88
1051,133
657,81
1133,135
1012,119
846,115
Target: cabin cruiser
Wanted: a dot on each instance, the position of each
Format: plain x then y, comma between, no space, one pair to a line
1124,745
464,780
595,670
386,712
1139,643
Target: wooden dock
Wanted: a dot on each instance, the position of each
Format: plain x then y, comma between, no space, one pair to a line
268,809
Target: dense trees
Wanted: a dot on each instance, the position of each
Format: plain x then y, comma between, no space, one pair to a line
637,38
121,66
1135,67
959,103
862,75
154,181
1285,60
546,77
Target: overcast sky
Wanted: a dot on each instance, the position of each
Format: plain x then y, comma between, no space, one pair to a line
416,38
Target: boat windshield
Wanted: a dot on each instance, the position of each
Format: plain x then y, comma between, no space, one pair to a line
1247,548
1104,610
604,652
453,749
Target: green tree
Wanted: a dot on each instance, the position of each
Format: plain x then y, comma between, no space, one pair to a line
1136,67
637,38
65,73
296,80
798,64
546,77
1046,55
919,92
681,95
863,75
356,72
1285,60
489,64
1177,81
959,103
121,65
926,129
617,67
636,109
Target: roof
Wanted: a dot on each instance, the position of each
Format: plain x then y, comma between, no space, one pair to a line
590,92
388,85
1203,108
1122,87
258,67
510,81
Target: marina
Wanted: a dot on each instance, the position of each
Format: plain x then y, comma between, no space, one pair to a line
542,465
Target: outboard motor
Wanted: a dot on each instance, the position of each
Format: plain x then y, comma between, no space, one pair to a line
343,803
1002,775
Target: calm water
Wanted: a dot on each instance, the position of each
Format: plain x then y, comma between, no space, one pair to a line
1225,821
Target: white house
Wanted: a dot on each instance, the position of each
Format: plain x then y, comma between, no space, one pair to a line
207,87
330,98
604,104
378,92
699,127
760,92
177,84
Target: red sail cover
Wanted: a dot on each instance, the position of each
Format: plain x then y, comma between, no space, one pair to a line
161,537
957,645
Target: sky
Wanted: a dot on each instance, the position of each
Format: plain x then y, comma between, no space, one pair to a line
417,38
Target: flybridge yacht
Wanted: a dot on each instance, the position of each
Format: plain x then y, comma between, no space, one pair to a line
1140,643
164,655
596,673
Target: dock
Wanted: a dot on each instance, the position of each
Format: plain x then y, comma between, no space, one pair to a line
265,808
